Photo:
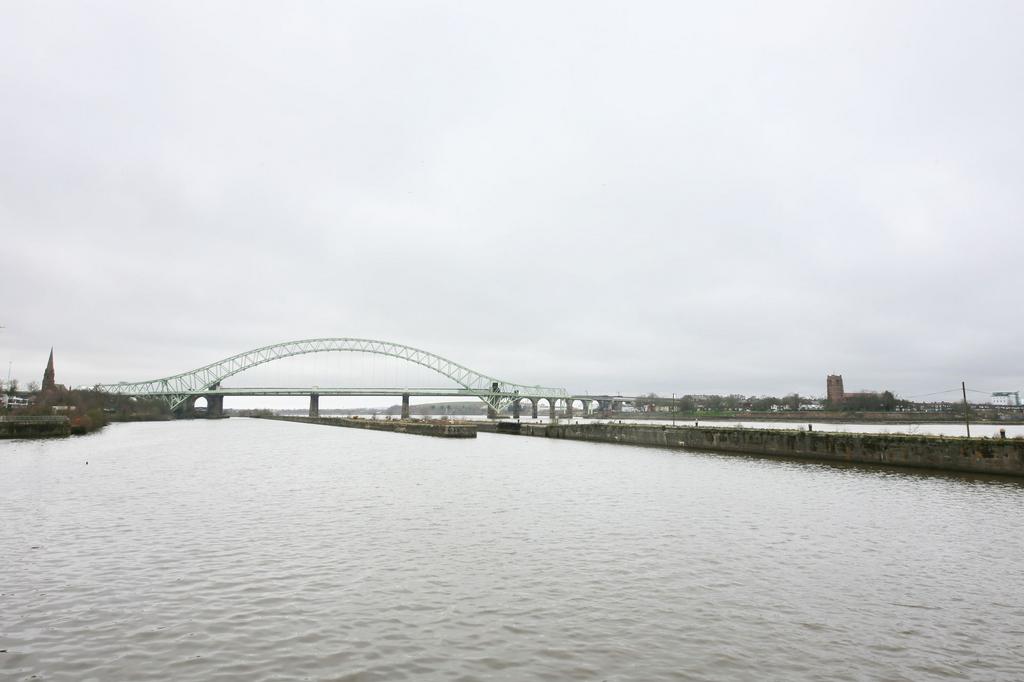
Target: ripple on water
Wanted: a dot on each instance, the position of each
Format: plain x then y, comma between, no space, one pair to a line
243,549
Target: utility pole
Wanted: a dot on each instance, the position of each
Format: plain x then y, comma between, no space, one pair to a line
967,410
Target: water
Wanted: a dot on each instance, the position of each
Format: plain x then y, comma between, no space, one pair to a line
242,549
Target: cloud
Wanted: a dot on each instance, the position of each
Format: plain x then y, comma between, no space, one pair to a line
738,198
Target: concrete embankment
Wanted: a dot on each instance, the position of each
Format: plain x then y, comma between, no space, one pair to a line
808,416
976,455
419,428
34,427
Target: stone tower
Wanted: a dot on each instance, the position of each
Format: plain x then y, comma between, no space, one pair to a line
48,380
834,387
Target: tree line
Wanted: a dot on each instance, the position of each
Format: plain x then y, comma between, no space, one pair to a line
883,401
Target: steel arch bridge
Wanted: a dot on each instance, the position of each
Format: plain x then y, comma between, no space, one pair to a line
206,380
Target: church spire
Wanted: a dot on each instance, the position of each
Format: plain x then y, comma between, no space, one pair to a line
48,380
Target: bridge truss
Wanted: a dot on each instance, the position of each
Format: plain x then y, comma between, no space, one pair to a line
179,388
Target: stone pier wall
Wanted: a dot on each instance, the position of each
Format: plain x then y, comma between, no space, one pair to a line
34,427
415,427
975,455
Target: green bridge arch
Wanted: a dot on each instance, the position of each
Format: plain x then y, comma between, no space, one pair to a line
178,388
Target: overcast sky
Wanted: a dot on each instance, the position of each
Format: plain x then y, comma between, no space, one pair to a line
690,197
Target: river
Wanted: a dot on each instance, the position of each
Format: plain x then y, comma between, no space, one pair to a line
255,550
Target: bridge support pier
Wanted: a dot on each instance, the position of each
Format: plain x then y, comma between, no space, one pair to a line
491,412
314,405
405,406
535,405
187,410
515,408
214,405
568,408
552,410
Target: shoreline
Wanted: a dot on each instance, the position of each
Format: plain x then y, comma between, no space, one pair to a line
883,418
998,456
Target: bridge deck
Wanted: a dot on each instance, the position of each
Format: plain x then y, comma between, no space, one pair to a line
346,391
442,392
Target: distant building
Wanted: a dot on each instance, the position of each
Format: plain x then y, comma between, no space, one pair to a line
1006,398
48,375
9,401
834,388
